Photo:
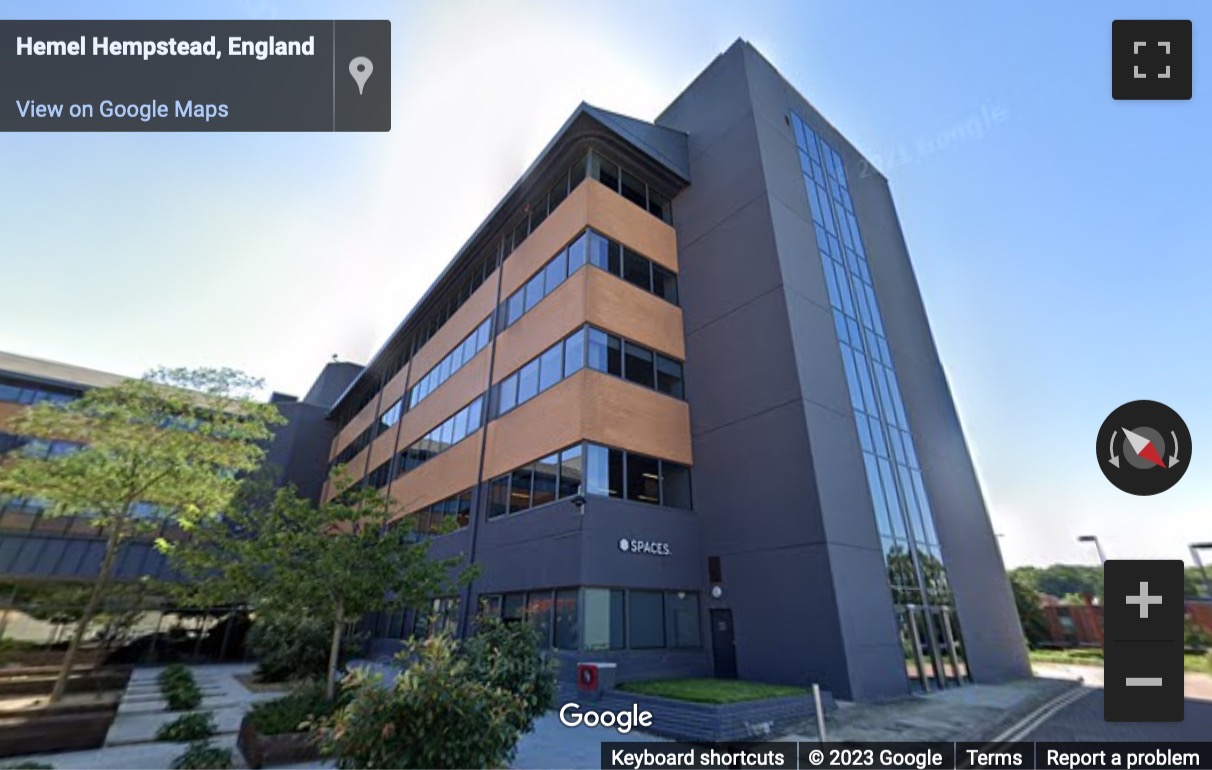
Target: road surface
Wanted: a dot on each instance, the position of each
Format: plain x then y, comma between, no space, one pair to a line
1083,719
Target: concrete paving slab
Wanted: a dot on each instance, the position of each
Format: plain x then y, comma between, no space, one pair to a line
141,728
141,756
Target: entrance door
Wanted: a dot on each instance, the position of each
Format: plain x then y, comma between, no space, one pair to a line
723,644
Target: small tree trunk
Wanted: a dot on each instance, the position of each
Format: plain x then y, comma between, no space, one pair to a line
334,654
90,609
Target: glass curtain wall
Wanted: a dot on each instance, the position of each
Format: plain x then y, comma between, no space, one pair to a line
917,577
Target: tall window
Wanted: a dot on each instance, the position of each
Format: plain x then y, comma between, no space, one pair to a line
903,517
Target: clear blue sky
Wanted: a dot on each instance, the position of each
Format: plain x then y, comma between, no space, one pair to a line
1062,250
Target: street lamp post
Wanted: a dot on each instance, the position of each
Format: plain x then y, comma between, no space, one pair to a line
1195,549
1102,559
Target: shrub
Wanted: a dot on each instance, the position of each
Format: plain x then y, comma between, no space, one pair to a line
183,696
201,755
188,727
174,675
436,695
289,648
289,714
507,656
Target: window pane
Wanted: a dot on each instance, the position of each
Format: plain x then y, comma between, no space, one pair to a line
669,376
463,509
538,212
598,248
475,411
512,606
658,206
566,619
574,352
614,257
571,471
446,434
460,427
598,358
520,232
683,608
545,472
605,172
507,394
638,367
615,463
576,253
516,306
643,478
633,190
597,470
604,619
576,174
534,291
482,334
498,497
490,606
456,359
528,382
675,485
551,366
538,614
646,619
637,270
614,356
558,192
556,271
519,490
664,284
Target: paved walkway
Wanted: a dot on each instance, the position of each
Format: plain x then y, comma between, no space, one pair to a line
131,740
967,713
970,713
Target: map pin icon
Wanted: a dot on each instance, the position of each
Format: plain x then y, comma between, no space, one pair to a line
360,67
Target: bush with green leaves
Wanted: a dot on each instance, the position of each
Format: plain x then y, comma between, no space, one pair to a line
294,712
188,727
203,755
294,647
508,656
174,675
435,714
183,696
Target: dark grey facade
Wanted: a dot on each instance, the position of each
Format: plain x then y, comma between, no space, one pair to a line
833,490
780,482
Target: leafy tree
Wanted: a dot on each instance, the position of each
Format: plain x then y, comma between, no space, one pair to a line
347,556
168,445
1063,579
436,713
1194,584
509,656
1030,615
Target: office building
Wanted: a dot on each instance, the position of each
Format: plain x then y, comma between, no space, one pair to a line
680,399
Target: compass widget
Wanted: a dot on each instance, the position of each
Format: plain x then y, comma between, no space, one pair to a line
1143,447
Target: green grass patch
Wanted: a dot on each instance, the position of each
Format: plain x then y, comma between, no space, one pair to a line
1195,663
711,690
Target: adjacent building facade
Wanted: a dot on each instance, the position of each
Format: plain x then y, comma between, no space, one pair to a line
679,397
36,547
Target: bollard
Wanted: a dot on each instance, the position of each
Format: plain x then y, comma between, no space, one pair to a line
820,712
